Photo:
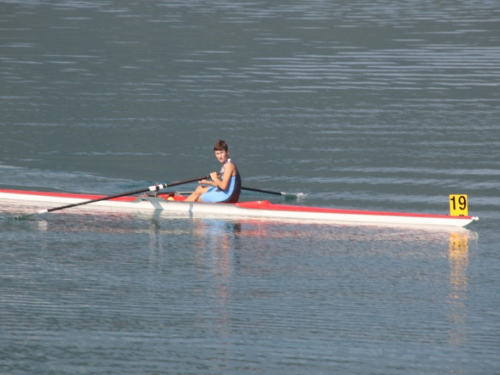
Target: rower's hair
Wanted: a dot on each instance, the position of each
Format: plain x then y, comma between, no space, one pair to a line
221,145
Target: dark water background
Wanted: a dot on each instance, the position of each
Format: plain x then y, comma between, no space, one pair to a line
381,105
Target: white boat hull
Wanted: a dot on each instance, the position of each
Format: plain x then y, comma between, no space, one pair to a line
255,209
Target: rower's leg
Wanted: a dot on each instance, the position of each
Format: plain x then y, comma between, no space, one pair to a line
195,195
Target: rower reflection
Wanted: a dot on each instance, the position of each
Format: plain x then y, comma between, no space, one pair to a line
215,254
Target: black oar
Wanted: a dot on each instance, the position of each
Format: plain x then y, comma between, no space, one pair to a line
150,188
274,192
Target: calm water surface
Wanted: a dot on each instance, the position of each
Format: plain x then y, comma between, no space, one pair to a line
377,105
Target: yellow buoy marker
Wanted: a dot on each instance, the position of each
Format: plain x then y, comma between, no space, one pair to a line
459,205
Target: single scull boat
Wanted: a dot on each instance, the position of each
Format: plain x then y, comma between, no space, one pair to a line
262,209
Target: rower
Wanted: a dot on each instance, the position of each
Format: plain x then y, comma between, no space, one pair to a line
225,187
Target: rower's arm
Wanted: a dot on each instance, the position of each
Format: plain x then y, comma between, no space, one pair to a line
223,184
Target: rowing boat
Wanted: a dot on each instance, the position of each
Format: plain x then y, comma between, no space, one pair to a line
262,209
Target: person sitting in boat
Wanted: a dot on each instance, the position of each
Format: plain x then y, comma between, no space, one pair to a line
225,187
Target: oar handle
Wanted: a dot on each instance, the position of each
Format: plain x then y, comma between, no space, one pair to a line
163,186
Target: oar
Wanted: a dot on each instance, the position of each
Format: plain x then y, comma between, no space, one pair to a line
296,195
150,188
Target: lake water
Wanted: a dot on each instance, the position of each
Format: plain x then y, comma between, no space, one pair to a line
381,105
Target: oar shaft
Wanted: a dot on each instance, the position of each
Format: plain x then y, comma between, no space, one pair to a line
262,191
98,199
150,188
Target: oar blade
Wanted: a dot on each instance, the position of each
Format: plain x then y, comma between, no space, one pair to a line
293,196
27,216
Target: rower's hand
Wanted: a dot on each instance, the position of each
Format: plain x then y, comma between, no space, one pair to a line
214,176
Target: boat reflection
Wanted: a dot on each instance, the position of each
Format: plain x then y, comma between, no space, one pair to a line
215,247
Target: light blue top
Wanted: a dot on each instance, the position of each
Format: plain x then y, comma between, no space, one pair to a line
230,195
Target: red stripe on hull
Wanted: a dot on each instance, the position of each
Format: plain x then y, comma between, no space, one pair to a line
266,205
